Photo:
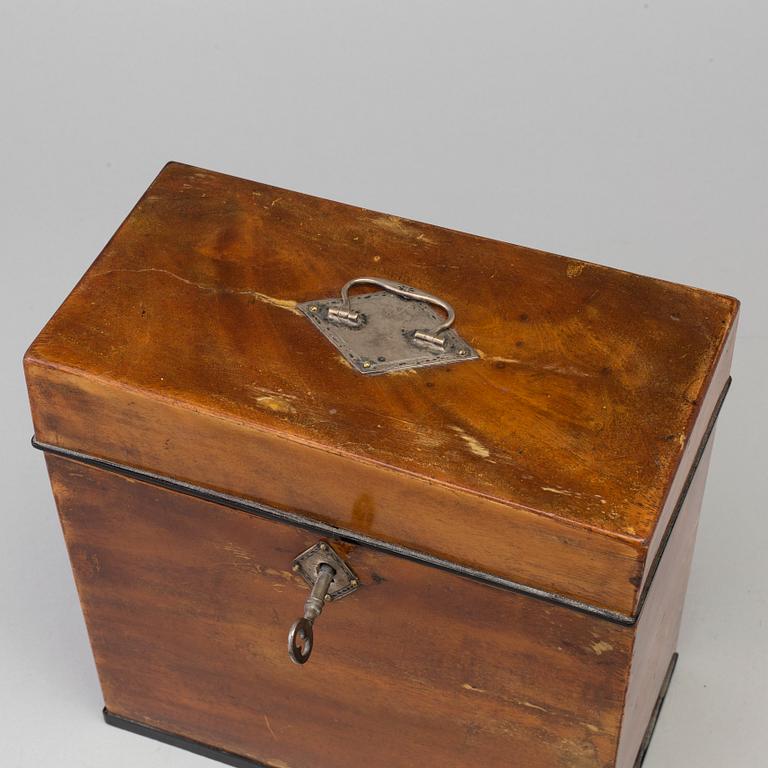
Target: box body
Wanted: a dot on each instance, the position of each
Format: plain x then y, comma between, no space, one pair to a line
188,601
522,525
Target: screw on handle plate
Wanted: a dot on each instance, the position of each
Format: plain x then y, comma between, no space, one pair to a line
331,579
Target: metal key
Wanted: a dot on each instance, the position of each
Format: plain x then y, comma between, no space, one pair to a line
331,579
301,637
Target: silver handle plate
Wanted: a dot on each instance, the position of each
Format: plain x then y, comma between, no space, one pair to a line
392,329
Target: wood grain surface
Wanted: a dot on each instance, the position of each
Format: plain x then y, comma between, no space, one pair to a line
188,605
657,630
551,461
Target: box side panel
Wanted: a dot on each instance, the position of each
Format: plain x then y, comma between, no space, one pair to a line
188,604
710,396
659,625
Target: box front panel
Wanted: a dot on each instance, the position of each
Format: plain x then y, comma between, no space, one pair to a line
188,605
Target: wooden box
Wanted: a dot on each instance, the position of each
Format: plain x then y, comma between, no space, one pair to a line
497,517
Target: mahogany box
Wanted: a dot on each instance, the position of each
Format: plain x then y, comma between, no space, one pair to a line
463,476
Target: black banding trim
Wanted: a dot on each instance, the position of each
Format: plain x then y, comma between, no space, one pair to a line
325,529
190,745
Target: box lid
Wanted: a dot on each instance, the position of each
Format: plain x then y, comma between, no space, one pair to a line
553,461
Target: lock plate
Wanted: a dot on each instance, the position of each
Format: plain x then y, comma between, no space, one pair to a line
307,563
383,341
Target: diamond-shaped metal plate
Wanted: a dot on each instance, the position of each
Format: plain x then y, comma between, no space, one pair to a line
306,564
383,342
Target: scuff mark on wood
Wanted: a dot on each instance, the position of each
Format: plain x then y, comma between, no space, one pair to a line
275,404
558,490
216,289
399,226
474,445
565,370
269,727
601,647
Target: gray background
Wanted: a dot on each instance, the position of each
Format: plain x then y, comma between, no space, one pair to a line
628,133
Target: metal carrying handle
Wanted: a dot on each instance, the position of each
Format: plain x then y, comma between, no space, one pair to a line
346,314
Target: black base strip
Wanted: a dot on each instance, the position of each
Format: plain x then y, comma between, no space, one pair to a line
196,747
352,537
238,761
